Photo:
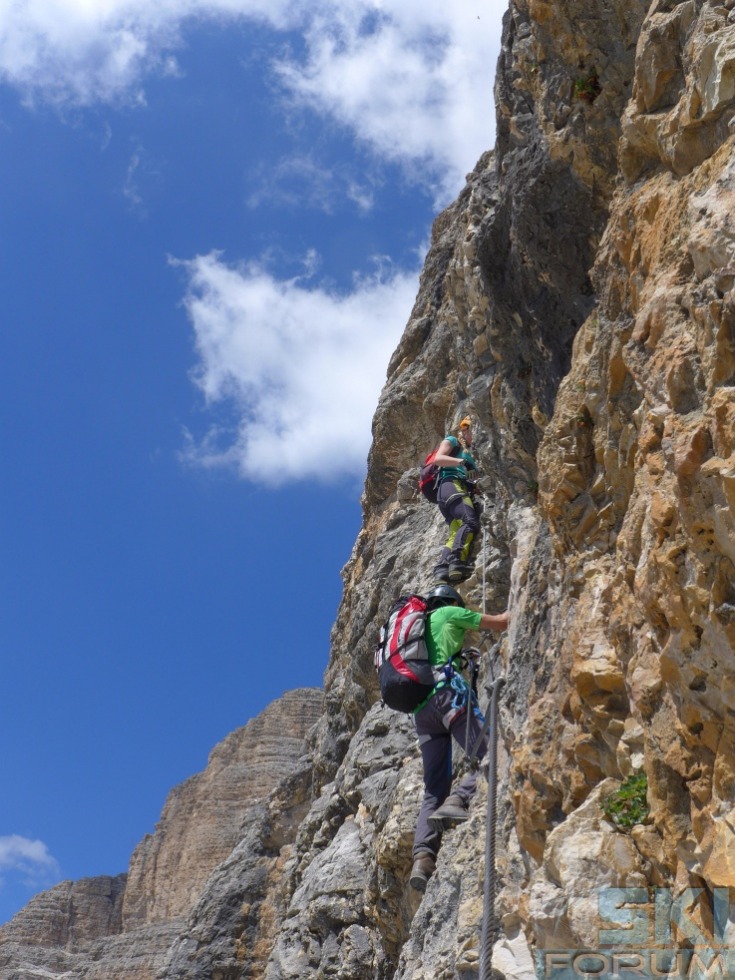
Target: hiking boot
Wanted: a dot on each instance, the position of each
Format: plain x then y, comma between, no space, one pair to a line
423,868
441,572
453,810
460,570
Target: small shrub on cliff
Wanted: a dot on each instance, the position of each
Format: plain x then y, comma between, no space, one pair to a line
628,805
587,87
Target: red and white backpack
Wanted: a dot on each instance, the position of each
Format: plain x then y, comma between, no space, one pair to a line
401,657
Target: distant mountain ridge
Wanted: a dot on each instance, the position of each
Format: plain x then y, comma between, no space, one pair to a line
124,926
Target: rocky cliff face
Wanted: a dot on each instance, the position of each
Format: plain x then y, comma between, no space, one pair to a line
249,799
578,301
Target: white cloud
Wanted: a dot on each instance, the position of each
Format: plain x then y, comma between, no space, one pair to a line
142,169
28,858
414,83
301,365
86,51
304,182
411,79
130,187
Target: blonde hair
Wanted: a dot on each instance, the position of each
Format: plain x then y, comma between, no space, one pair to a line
466,423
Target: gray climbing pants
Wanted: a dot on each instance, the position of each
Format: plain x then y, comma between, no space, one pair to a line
437,723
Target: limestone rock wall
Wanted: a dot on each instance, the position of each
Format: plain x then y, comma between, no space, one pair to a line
635,468
201,820
56,922
252,794
577,300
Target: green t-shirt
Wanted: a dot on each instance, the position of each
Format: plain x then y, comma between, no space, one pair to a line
445,632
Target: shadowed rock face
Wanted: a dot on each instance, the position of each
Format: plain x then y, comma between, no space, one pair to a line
636,465
577,300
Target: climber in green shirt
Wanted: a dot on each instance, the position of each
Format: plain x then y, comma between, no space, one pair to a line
447,627
441,718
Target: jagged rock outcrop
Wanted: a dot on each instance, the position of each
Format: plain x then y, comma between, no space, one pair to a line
242,811
635,467
612,397
578,300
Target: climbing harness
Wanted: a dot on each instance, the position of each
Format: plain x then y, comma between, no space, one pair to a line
474,667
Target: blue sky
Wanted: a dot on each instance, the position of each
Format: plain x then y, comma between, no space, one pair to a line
214,214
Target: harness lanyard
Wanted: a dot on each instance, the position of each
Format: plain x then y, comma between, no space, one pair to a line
474,669
449,672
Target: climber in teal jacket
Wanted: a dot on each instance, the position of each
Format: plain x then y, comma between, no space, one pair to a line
455,497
